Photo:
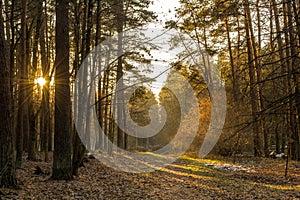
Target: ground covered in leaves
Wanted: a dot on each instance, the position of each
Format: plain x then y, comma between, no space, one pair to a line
187,178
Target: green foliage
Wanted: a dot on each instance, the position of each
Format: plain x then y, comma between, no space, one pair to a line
140,104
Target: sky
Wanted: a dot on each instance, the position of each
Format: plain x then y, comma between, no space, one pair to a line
165,10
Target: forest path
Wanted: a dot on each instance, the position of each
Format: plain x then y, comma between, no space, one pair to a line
187,178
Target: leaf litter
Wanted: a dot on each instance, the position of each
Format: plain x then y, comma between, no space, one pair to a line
187,178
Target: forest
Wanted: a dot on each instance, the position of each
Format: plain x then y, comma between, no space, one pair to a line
149,99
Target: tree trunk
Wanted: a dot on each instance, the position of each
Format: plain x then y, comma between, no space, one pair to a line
78,147
120,94
233,70
33,116
99,106
83,30
23,120
7,158
261,102
295,149
253,89
85,85
274,86
62,162
12,69
45,113
285,65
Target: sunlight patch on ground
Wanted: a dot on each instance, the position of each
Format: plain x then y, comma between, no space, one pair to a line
198,172
283,187
202,160
202,178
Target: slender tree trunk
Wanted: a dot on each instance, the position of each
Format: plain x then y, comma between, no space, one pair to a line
62,162
33,116
259,80
120,103
23,121
285,65
7,27
233,70
253,89
86,86
89,27
295,102
107,105
12,43
28,85
45,114
78,147
99,105
274,86
238,61
12,69
83,31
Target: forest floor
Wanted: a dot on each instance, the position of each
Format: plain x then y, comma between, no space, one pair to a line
187,178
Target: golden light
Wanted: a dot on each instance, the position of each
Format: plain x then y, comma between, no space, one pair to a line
40,81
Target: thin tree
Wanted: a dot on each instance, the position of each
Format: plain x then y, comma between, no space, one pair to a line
33,115
120,104
62,162
23,120
78,147
45,113
251,51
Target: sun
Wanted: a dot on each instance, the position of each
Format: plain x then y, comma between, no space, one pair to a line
40,81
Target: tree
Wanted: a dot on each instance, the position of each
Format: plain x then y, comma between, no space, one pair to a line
34,114
23,118
252,63
7,158
120,17
62,162
139,105
45,111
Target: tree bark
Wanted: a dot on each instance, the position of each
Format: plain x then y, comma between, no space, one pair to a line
23,120
62,162
120,103
7,158
253,89
295,148
261,103
233,70
78,147
45,114
33,117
